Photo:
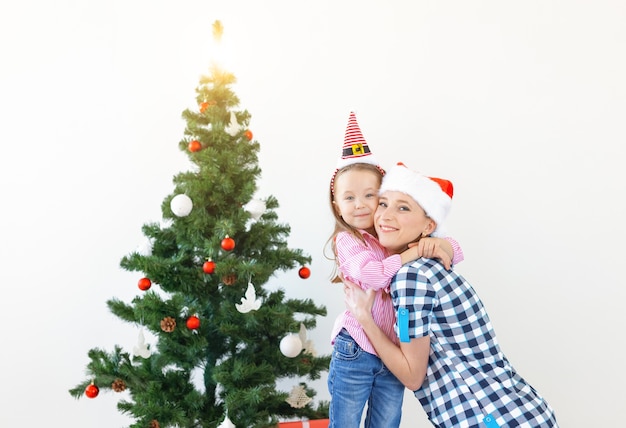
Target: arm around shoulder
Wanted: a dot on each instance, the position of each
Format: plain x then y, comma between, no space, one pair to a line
457,251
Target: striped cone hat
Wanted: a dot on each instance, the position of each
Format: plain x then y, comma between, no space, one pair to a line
355,148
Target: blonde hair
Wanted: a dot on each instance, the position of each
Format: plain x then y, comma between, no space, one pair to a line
340,223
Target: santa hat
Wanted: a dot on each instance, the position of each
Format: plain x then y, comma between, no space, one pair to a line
433,194
354,149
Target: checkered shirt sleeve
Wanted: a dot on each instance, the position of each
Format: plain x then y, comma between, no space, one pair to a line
468,376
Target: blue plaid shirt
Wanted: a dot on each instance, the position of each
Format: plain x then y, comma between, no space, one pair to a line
468,376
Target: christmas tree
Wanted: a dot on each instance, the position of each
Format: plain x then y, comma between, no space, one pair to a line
223,341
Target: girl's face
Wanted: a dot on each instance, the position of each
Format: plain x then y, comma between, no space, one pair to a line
399,220
356,198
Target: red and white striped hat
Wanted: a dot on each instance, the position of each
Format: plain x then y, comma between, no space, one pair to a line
355,148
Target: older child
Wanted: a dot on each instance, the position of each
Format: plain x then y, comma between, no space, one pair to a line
356,375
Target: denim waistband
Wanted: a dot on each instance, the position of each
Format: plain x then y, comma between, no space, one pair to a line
344,333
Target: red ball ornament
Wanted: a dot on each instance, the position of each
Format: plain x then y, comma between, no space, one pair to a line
248,134
193,322
304,272
92,390
195,146
144,284
209,266
203,106
228,243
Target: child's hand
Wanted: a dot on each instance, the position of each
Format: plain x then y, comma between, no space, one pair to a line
431,249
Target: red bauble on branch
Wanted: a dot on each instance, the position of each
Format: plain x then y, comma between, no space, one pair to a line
304,272
209,266
195,146
144,284
205,105
228,243
248,134
92,390
193,322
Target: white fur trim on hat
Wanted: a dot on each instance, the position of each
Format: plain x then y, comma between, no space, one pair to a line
434,195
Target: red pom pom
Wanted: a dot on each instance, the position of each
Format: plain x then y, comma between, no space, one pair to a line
228,243
92,390
144,284
208,266
195,146
248,134
193,322
203,106
304,272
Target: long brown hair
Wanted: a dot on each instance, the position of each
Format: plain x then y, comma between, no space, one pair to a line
340,223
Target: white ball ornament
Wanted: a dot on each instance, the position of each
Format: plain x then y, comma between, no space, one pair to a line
291,346
181,205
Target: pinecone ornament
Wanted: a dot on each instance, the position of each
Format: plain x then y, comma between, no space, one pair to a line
118,385
229,279
168,324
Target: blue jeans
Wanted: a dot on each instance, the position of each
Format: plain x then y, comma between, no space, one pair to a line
355,378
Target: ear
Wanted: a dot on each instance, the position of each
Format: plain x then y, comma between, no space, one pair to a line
430,227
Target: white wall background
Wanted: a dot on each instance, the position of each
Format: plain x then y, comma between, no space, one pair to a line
521,104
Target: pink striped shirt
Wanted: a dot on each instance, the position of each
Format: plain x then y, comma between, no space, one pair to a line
369,265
